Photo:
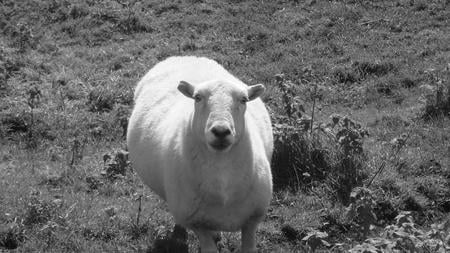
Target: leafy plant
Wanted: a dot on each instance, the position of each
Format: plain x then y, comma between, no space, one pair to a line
122,114
404,236
347,133
398,144
316,239
117,166
361,210
305,153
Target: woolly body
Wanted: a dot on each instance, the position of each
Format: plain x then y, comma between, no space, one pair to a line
204,190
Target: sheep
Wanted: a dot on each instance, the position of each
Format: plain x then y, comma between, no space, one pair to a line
202,140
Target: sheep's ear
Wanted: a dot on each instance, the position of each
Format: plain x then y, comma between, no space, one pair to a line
255,91
186,88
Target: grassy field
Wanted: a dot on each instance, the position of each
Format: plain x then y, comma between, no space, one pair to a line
358,91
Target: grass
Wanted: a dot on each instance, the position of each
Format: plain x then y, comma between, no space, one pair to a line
67,72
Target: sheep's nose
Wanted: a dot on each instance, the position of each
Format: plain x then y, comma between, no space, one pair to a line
221,131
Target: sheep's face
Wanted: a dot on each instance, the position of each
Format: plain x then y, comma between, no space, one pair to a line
218,119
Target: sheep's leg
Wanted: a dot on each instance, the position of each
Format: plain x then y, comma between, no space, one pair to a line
206,240
179,233
248,237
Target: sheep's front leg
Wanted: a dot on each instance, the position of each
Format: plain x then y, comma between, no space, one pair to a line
206,240
248,237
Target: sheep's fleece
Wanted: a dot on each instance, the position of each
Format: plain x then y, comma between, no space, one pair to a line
202,140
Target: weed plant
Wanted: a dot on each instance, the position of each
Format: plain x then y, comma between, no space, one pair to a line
308,153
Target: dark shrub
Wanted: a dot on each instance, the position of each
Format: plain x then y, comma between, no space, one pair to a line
385,212
38,212
134,24
101,99
15,123
343,75
331,154
373,68
296,160
11,236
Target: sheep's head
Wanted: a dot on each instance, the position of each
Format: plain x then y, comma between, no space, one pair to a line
220,107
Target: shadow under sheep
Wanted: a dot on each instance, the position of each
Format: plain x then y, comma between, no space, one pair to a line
174,242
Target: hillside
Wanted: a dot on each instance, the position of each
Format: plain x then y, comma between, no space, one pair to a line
358,91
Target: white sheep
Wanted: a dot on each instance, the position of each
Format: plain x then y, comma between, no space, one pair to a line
202,140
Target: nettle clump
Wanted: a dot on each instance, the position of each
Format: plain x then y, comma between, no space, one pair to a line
307,152
361,210
295,158
116,165
316,239
405,236
345,138
348,133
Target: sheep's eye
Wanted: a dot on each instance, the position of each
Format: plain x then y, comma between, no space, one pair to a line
244,100
197,98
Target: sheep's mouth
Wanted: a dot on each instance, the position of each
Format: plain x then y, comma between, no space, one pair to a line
220,145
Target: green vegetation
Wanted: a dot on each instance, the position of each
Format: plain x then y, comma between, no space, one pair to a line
358,91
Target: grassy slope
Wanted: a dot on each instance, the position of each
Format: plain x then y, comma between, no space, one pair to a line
85,58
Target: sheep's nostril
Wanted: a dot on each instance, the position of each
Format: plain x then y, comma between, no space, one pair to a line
220,131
